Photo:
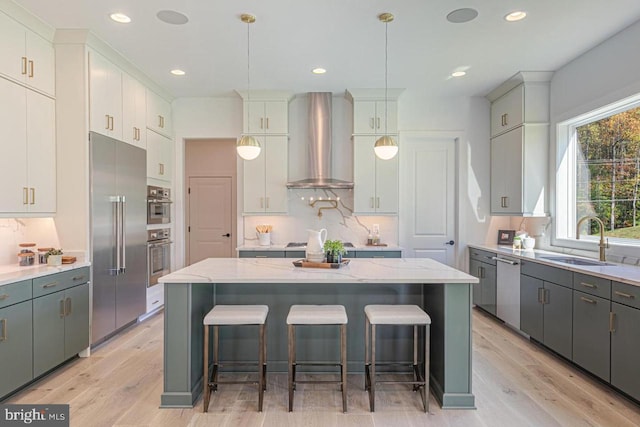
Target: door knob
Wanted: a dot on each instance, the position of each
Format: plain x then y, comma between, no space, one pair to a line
450,242
226,235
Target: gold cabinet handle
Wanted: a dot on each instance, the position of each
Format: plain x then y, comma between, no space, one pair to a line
267,120
377,202
62,309
261,256
377,122
3,337
33,196
107,125
24,65
372,122
612,319
155,302
68,307
159,121
76,278
589,285
622,294
25,196
371,205
111,127
589,300
30,68
261,122
50,285
262,202
267,204
3,297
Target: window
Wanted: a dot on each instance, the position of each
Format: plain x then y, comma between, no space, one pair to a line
599,175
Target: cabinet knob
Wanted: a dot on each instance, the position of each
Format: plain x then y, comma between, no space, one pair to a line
226,235
450,242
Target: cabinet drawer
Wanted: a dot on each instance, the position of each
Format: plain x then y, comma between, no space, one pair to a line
482,256
592,285
15,293
261,254
295,254
626,294
59,281
546,273
376,254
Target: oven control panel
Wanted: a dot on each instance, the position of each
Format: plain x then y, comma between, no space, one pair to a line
159,234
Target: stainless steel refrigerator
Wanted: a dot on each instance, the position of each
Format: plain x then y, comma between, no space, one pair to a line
118,234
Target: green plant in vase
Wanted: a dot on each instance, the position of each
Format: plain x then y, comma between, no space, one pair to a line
54,256
334,250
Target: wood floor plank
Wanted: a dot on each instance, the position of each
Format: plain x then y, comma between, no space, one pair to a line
516,382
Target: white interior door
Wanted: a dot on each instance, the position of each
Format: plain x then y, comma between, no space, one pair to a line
427,194
209,218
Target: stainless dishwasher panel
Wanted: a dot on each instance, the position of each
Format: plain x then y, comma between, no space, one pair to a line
508,290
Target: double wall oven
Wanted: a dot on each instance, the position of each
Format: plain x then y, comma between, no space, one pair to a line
159,244
158,205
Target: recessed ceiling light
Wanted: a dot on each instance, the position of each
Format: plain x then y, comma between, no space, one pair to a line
178,72
460,16
516,16
120,17
458,73
172,17
318,70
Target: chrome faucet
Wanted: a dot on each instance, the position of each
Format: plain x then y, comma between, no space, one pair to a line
603,245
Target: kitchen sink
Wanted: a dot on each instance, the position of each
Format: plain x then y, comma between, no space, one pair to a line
575,261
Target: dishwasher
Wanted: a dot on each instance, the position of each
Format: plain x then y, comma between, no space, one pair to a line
508,290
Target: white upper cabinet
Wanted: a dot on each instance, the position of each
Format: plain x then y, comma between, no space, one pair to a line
159,114
372,114
159,156
105,96
369,117
265,178
375,189
520,145
266,117
134,112
28,163
26,57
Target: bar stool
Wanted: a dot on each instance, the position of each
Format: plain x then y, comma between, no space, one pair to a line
228,315
317,315
411,315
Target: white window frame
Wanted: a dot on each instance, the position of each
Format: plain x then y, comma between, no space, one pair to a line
564,234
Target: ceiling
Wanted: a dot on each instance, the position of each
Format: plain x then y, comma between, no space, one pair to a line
290,37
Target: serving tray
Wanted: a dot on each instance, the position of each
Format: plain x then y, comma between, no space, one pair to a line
308,264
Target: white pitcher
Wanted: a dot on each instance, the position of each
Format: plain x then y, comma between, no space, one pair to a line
315,245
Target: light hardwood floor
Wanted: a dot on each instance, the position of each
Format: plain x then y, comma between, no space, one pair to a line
516,383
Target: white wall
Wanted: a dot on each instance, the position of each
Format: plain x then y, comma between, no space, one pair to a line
14,231
605,74
465,118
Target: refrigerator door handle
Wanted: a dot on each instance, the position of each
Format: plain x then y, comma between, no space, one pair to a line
115,200
123,235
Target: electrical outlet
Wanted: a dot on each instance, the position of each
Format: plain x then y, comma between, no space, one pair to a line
376,228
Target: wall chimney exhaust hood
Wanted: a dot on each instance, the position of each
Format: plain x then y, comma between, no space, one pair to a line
319,171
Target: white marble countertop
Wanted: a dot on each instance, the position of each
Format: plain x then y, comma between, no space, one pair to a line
283,247
281,270
625,273
15,273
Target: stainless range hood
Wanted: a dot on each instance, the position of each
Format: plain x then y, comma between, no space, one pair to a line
319,171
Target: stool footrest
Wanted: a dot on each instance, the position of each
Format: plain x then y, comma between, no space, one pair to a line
318,382
317,364
213,383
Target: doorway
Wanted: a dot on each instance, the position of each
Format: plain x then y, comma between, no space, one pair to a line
428,222
210,178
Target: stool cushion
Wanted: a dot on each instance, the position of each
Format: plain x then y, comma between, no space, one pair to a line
237,315
396,314
317,315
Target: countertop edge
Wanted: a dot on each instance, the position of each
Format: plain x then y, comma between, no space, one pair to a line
33,272
620,274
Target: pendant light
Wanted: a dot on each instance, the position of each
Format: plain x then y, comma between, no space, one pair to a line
248,147
385,147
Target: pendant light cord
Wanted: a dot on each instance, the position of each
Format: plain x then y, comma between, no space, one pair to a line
386,73
248,80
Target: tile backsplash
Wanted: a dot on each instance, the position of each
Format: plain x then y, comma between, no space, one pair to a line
339,222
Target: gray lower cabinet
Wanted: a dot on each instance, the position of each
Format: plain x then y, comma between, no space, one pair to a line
15,346
546,307
60,327
591,337
295,254
261,254
531,308
375,254
484,293
625,347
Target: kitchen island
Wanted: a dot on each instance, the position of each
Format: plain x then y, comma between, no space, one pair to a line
444,293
